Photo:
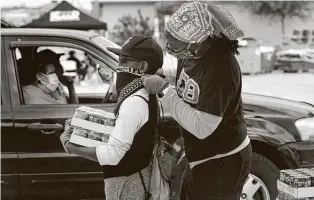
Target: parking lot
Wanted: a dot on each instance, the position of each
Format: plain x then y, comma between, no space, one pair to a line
294,86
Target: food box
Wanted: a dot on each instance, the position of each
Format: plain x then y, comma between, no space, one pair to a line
285,196
296,184
92,127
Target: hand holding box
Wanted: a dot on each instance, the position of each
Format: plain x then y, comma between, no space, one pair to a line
92,127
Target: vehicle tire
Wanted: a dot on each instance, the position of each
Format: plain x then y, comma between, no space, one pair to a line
268,173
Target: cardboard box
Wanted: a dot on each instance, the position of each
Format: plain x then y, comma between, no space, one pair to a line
92,127
297,193
284,196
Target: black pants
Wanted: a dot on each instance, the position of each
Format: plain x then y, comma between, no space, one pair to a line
217,179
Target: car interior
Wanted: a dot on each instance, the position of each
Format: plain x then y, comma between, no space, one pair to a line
79,65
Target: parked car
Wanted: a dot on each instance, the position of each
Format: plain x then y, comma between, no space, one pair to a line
294,60
35,166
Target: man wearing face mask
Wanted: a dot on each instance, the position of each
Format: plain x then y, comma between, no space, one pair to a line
125,159
47,87
206,101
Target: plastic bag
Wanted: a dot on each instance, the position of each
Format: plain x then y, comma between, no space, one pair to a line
159,186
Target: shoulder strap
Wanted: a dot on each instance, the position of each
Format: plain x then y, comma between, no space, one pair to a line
147,194
158,127
158,111
142,98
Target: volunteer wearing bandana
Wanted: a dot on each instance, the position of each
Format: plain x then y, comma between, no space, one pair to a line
130,146
206,101
48,86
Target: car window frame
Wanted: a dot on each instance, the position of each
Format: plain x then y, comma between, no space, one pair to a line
15,42
6,99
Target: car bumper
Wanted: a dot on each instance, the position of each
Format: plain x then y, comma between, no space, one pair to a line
303,153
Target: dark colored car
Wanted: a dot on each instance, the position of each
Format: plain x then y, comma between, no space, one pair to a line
35,166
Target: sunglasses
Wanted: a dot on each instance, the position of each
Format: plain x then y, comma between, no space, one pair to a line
129,70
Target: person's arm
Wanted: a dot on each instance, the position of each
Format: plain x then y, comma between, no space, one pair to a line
133,114
69,83
209,106
198,123
72,94
85,152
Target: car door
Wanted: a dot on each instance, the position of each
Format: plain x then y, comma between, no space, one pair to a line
46,171
9,162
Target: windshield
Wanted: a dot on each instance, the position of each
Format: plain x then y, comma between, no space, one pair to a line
103,43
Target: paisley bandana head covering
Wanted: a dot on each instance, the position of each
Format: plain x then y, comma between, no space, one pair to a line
194,22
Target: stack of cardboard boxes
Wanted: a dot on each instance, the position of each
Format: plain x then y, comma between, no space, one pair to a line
92,127
296,184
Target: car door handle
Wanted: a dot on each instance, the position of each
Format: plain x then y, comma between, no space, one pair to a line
70,180
42,127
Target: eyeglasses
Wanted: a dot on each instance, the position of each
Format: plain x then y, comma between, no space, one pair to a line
124,59
124,68
129,70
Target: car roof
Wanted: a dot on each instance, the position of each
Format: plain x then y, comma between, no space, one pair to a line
47,32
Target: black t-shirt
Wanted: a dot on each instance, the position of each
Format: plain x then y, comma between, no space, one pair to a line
213,85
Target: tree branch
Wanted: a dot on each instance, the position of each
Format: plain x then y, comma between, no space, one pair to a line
280,9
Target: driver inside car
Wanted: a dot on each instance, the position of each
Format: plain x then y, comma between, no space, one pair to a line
47,88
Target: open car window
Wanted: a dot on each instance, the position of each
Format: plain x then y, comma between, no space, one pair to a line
75,69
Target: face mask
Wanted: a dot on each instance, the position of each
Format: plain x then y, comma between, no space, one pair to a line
123,79
51,81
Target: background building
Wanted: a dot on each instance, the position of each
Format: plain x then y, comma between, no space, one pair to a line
262,28
20,15
111,11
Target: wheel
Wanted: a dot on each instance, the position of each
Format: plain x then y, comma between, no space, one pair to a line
262,182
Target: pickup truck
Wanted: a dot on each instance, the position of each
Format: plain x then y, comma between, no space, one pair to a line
35,166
